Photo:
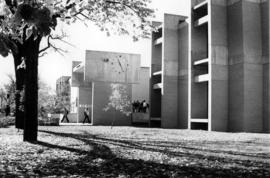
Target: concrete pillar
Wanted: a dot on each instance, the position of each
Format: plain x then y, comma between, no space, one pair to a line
219,65
246,70
183,75
236,68
265,56
253,69
169,106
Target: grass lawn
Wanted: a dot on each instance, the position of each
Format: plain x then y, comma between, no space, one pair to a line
97,151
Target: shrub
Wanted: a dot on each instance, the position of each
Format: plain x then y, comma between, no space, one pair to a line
6,121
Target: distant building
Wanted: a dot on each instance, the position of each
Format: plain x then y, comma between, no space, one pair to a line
104,80
213,73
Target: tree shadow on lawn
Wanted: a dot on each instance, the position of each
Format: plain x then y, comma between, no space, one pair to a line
165,146
102,162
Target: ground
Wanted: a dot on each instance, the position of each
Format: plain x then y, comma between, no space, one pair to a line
98,151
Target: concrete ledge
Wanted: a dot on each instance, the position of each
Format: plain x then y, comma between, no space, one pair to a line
199,120
200,5
201,21
202,61
202,78
158,86
158,41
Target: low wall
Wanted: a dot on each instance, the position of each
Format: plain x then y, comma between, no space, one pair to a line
140,117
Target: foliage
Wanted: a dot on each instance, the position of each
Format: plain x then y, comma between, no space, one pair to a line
46,98
10,90
2,98
22,19
49,102
6,121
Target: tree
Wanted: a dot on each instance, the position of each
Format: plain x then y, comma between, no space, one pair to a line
46,97
10,90
2,98
24,23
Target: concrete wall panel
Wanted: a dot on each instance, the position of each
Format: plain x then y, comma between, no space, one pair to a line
266,74
253,101
266,98
140,91
219,105
236,98
183,75
169,107
102,93
112,67
252,29
235,32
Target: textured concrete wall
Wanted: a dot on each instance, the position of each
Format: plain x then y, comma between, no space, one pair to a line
140,91
169,106
183,50
102,93
111,67
246,69
219,67
265,54
253,69
236,67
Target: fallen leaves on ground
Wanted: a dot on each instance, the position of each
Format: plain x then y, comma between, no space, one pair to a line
99,151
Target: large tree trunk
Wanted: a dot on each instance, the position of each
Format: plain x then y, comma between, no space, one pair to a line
31,90
19,74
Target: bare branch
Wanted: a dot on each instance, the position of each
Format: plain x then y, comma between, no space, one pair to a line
48,45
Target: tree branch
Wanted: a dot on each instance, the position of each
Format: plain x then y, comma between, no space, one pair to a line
126,5
48,45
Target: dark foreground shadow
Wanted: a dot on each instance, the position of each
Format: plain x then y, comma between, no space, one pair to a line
100,161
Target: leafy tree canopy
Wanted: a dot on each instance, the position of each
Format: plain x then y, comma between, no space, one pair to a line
21,19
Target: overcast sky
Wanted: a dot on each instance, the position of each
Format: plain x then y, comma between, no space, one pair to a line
54,65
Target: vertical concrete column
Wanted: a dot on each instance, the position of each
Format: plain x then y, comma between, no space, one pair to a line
183,68
265,56
169,106
219,65
236,67
246,70
253,68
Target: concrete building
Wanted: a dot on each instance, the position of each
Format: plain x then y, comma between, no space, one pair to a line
212,71
104,81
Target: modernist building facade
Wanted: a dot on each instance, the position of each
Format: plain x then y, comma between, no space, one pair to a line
104,80
211,71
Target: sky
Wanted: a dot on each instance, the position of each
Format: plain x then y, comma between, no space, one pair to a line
53,65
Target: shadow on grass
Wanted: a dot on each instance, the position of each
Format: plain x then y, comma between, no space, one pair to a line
100,161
